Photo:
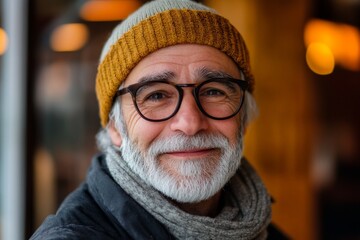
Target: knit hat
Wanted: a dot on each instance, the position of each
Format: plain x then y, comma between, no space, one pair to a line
159,24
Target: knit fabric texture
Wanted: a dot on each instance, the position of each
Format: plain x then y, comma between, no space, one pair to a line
159,24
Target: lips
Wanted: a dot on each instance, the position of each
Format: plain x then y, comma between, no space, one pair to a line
192,152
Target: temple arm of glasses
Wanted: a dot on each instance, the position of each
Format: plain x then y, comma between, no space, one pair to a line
122,92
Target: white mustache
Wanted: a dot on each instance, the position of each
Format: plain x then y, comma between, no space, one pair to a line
181,142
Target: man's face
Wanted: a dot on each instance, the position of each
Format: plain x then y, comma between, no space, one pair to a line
189,148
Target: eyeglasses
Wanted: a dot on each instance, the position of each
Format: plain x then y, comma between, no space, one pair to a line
217,98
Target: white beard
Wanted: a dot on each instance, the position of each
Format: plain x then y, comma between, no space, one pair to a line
191,180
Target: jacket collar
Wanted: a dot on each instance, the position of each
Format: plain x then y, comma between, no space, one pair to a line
120,207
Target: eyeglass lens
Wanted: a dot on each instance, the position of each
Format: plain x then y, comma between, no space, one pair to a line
157,100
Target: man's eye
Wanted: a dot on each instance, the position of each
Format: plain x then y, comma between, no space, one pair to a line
155,96
212,92
159,96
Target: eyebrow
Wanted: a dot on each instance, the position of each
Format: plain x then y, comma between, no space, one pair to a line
206,73
168,75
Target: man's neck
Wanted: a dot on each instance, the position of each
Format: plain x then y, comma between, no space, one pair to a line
209,207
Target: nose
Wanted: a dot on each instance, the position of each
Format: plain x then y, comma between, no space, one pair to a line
189,118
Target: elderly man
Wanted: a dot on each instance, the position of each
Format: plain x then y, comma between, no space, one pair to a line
174,89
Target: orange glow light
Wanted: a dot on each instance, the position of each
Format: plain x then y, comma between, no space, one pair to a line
108,10
69,37
3,41
320,59
343,40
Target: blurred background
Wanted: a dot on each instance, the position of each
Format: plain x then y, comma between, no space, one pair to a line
305,56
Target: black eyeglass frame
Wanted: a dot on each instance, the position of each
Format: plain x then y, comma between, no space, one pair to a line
133,88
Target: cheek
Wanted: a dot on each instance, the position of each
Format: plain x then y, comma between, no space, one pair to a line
229,128
141,131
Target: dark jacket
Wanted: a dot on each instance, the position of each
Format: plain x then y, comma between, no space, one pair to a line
101,209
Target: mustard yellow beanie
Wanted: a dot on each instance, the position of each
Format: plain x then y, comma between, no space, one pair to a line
159,24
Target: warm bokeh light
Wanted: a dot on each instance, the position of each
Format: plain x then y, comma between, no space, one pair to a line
69,37
3,41
320,58
108,10
343,40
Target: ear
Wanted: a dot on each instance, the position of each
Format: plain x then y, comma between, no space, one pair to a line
114,134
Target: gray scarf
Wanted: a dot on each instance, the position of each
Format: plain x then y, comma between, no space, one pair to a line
246,214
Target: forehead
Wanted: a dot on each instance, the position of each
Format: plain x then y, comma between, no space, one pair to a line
185,60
